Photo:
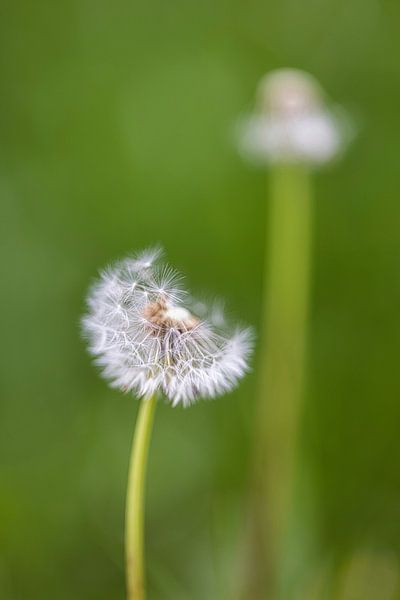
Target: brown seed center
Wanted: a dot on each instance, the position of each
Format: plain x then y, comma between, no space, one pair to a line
162,316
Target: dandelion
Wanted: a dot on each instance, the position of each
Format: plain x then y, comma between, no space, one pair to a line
292,122
150,336
292,131
143,331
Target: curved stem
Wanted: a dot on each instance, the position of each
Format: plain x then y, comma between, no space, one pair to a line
134,515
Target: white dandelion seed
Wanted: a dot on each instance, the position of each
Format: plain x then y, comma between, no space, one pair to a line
292,123
143,330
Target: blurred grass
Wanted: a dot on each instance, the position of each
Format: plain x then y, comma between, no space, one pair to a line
116,128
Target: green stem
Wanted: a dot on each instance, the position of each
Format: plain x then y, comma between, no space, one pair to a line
281,373
285,328
134,515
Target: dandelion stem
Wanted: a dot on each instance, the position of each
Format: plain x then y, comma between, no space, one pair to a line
134,515
281,373
285,328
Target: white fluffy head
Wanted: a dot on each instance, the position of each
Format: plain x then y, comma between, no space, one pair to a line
292,124
142,328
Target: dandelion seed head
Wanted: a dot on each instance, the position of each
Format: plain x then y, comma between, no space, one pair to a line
292,122
144,332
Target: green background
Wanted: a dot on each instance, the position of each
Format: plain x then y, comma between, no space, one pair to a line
116,124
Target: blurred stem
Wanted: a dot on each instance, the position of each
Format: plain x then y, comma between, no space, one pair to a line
281,368
134,515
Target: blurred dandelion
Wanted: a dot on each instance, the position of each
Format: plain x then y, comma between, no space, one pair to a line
142,329
292,131
292,123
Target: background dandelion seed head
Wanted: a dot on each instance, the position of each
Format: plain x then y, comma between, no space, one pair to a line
292,122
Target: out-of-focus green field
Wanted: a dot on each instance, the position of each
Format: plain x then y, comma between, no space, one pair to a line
116,124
